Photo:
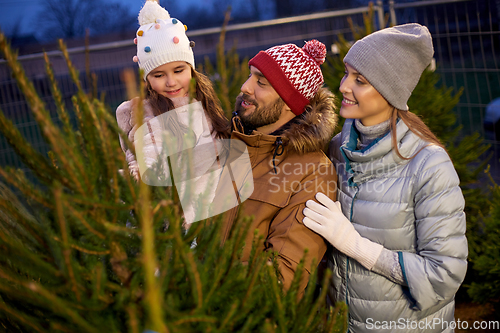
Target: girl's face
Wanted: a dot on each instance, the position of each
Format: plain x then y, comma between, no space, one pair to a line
361,100
171,79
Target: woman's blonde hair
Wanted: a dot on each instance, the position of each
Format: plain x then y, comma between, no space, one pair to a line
416,125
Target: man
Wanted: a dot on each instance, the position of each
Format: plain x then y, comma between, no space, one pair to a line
285,119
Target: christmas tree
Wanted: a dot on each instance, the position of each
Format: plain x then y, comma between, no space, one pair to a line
229,72
485,251
85,248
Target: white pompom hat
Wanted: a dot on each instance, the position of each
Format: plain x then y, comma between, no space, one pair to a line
160,39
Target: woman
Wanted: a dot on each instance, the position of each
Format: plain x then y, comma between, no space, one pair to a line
398,228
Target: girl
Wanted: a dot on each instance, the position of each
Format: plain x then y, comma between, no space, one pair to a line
398,226
165,55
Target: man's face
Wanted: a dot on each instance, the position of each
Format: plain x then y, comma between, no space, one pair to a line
258,104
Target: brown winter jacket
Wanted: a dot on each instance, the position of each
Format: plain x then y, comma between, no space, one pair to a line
283,184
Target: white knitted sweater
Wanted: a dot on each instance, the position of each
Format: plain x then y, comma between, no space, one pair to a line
200,186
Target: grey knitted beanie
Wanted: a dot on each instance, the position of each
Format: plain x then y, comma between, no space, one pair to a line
393,60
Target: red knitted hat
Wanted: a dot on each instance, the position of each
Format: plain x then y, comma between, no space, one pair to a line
293,72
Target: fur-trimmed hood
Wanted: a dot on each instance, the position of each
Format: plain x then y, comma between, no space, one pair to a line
313,129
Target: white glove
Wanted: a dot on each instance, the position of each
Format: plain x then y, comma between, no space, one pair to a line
326,219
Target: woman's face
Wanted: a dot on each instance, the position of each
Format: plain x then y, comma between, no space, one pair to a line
171,79
361,100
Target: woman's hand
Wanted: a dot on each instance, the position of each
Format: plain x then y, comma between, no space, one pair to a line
326,219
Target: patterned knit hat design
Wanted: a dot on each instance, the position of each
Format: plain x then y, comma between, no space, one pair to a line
293,72
160,39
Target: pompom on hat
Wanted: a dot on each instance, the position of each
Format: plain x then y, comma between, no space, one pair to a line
160,39
392,60
293,72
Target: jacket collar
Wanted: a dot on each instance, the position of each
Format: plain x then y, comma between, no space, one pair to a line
266,142
378,158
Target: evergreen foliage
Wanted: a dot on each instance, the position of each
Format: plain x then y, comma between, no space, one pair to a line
229,74
87,249
333,69
485,252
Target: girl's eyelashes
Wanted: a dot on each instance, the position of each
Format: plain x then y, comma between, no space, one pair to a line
159,75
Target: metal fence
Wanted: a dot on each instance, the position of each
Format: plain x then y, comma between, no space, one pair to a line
465,35
466,40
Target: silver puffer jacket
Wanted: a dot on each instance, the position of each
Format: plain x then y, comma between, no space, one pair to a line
413,207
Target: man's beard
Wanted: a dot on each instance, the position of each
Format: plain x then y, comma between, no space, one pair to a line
260,116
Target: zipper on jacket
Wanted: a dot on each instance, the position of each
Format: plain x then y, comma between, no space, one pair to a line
347,258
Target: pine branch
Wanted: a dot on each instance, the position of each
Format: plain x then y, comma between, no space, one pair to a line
189,264
59,306
194,319
50,132
133,321
46,299
84,222
152,298
81,249
229,316
16,258
30,157
22,318
89,123
97,203
254,271
112,192
276,292
340,308
308,298
117,261
60,107
65,239
20,219
221,64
